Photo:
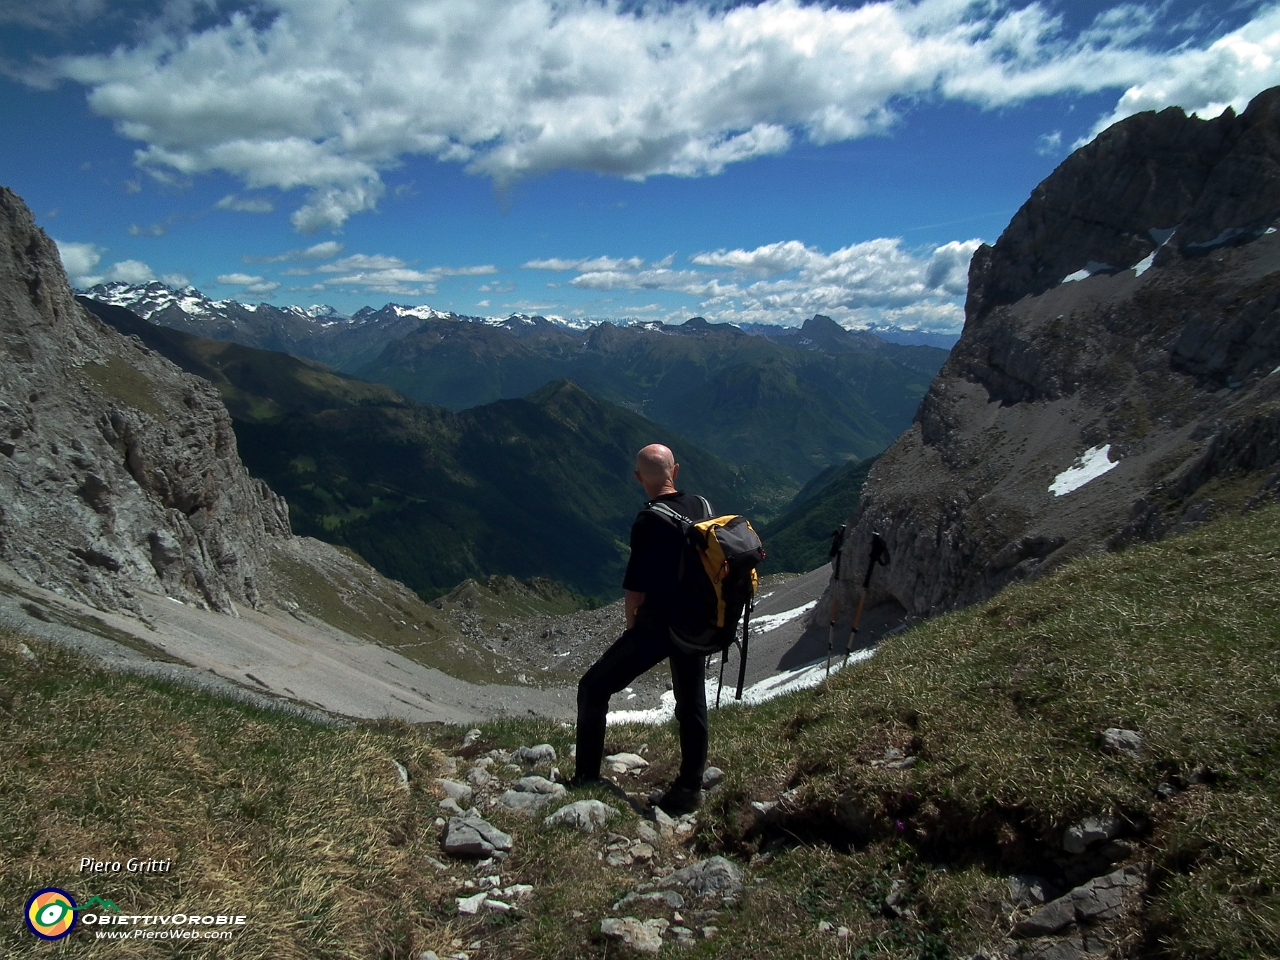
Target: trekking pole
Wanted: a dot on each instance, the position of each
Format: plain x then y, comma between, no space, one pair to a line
724,655
837,548
742,650
879,555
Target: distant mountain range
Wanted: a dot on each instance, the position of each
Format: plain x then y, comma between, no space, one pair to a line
539,486
786,404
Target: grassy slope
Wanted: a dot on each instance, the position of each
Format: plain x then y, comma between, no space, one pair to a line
306,829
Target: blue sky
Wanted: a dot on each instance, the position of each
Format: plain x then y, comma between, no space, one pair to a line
742,161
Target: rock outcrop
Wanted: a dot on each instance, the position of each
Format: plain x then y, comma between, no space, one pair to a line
117,470
1118,377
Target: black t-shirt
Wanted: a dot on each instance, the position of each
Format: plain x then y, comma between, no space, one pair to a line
656,545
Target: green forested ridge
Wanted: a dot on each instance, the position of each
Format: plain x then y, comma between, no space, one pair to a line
539,486
792,405
798,540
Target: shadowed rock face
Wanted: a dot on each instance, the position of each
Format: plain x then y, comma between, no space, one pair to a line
1213,180
1172,363
117,470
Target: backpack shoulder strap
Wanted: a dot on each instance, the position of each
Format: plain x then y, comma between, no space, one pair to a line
669,513
706,508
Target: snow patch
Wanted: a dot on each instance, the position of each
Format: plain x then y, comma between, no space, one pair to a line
1089,465
1161,237
1090,268
776,686
418,313
772,621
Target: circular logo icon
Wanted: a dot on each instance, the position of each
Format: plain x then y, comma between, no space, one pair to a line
51,913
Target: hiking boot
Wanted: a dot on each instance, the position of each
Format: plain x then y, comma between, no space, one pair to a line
679,800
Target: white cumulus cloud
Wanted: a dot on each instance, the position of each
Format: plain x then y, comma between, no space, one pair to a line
318,251
1205,81
876,281
79,261
236,202
250,283
131,271
325,95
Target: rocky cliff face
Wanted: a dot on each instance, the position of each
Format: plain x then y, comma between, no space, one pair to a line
1119,373
117,470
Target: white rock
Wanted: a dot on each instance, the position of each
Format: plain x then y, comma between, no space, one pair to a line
666,826
584,815
713,877
471,905
471,737
1117,740
540,753
535,784
526,803
626,762
642,935
455,790
473,837
1091,830
642,851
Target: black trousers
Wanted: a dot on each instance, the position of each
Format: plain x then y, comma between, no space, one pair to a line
638,649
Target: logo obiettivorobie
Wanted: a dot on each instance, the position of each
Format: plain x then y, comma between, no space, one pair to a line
51,913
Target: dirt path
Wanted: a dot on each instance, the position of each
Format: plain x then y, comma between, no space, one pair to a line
277,655
273,656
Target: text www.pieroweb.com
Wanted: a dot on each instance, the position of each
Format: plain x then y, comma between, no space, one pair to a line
174,927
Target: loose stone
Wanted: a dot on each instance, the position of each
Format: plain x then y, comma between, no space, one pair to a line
584,815
643,935
1117,740
1091,830
626,762
713,877
541,753
473,837
455,790
471,905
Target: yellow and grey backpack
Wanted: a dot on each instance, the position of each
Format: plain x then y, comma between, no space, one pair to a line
717,585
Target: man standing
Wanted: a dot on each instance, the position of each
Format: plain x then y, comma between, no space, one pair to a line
650,590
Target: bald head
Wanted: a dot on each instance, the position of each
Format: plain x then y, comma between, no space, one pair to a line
656,469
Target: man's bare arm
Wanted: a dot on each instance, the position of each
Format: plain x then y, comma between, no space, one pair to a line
633,599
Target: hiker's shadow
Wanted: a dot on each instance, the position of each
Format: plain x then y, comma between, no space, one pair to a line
812,644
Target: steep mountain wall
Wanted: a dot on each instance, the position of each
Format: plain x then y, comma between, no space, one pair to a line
1097,344
117,470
